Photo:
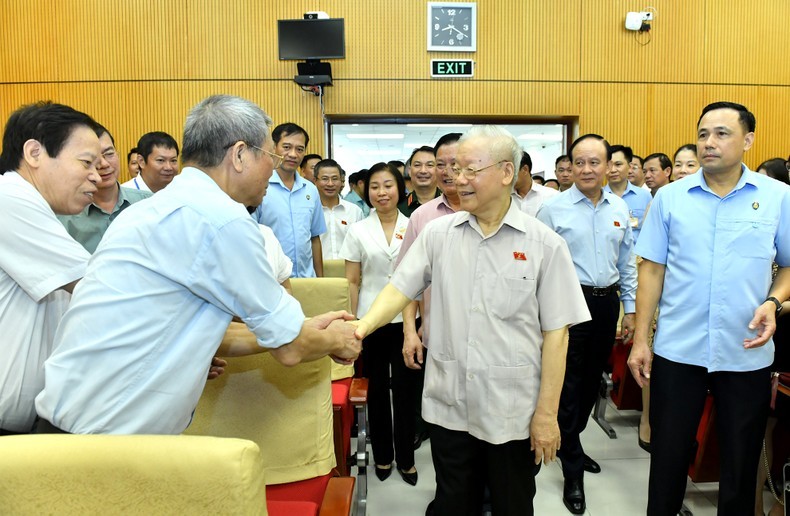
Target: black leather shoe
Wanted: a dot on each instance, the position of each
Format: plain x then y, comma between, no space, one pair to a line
590,466
383,473
573,496
643,444
409,478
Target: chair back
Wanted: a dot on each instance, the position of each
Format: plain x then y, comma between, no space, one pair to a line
130,474
334,268
287,411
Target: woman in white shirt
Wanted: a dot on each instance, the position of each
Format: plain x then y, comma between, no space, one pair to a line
370,249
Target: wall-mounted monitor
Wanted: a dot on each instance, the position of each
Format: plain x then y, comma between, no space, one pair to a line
302,40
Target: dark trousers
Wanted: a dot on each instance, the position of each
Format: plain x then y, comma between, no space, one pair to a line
677,397
42,426
465,464
589,347
382,351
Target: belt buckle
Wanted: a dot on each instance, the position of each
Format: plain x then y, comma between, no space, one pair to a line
600,291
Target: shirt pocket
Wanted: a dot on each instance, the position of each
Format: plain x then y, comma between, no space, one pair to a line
441,383
512,295
749,238
511,391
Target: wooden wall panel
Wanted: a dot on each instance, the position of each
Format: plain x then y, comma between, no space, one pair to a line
138,65
610,53
747,42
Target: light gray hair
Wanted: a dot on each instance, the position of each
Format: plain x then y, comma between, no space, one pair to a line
219,121
504,146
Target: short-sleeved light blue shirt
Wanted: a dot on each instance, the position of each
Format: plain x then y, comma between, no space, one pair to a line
718,254
295,216
637,199
132,352
599,238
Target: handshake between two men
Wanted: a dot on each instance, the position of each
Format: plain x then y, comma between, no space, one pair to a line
331,334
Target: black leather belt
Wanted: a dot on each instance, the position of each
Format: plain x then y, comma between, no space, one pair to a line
600,291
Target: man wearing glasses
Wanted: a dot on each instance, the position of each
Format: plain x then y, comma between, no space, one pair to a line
339,214
185,262
109,200
595,225
292,207
493,379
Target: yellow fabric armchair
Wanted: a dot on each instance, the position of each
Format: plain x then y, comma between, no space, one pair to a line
130,474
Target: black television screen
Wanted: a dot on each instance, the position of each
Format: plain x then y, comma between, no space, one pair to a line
311,39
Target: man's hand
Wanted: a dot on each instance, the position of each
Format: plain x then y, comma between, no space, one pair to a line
640,362
764,322
217,368
412,346
544,437
321,322
627,328
363,329
343,332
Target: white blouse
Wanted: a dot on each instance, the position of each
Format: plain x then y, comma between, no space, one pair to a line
366,244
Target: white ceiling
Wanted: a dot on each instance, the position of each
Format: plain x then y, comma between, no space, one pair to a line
358,146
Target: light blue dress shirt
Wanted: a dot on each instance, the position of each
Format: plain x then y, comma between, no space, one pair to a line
599,238
352,196
132,352
637,199
295,216
718,254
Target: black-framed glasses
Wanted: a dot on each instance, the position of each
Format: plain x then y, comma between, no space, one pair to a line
276,158
470,172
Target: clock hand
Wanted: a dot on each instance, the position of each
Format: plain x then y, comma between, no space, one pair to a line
448,28
458,31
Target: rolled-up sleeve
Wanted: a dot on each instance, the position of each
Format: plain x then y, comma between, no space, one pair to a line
233,272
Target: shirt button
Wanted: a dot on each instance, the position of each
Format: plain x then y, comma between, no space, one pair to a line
471,376
389,276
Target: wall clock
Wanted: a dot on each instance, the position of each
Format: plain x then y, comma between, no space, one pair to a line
452,26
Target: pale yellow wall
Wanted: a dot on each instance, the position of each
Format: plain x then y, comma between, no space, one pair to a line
138,65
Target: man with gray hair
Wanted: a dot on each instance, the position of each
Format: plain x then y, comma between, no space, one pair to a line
493,381
185,263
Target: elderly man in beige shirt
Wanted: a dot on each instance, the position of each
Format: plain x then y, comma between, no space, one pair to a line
504,294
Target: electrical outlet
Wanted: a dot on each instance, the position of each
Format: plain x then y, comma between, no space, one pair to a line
646,16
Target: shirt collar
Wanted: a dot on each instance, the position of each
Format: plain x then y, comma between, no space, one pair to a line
698,180
299,181
138,181
512,218
577,196
444,201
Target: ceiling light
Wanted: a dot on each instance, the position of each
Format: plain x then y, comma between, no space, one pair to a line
382,136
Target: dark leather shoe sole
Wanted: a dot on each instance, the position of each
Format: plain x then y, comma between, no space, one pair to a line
643,444
575,507
590,466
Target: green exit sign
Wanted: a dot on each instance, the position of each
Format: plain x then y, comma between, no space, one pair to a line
452,68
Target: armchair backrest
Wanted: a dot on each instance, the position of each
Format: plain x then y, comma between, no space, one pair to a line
286,411
130,474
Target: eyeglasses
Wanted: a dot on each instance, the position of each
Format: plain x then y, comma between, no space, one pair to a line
469,172
276,158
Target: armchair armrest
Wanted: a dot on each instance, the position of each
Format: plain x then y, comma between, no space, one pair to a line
358,394
338,497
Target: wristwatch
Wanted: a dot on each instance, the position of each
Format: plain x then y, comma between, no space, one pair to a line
776,302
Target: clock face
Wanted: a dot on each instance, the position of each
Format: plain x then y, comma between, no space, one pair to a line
452,26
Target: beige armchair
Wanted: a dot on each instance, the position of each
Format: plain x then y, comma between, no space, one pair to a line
288,412
130,474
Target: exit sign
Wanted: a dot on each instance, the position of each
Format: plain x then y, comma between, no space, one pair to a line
452,68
